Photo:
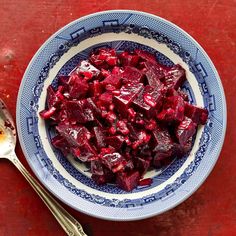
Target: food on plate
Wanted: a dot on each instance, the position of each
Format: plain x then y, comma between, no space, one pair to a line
123,113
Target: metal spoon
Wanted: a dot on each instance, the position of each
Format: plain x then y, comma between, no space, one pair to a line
7,150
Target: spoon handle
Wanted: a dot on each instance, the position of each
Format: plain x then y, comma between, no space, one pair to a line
70,225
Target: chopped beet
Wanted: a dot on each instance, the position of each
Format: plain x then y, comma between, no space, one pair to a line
95,89
148,101
52,99
197,114
131,75
145,182
128,181
46,114
173,109
128,59
175,77
115,141
87,70
122,114
85,152
128,93
78,88
105,99
154,74
142,165
61,143
113,80
185,130
114,161
77,112
99,135
75,135
146,56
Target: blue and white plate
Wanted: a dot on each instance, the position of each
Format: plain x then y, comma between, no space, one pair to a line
69,180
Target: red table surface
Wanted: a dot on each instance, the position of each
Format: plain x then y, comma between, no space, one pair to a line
211,210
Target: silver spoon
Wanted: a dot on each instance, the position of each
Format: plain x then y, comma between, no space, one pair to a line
7,150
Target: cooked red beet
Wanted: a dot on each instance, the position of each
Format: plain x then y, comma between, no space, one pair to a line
128,181
142,165
131,75
149,101
87,70
78,88
75,135
154,74
85,152
162,144
114,161
197,114
175,77
145,182
61,143
173,110
95,89
77,112
123,114
115,141
185,130
101,174
99,135
52,99
113,80
128,59
128,93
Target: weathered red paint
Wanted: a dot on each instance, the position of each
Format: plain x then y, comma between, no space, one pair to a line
26,24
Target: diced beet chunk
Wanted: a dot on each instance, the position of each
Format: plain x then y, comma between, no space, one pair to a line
197,114
180,150
128,93
146,56
78,113
128,181
75,135
131,75
161,160
86,69
113,80
63,80
46,114
173,109
154,73
149,101
78,89
61,143
145,182
142,165
85,152
115,141
128,59
95,88
175,77
114,161
105,99
185,130
52,99
101,174
162,143
99,134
